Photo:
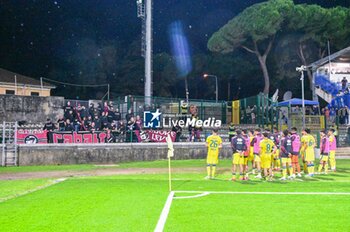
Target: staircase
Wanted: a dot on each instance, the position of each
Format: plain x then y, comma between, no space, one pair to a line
331,92
326,85
324,95
325,89
9,144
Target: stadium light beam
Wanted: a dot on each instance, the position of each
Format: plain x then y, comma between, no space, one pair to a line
216,85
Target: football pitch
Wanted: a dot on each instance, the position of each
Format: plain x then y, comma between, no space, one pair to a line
142,202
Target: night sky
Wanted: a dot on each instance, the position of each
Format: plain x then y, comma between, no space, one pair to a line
35,34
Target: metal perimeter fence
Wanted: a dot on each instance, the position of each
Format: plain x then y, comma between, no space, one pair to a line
258,110
171,107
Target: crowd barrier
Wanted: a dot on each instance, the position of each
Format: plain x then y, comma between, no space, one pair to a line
43,136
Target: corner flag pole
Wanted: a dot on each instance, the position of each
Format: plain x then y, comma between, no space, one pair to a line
169,166
170,154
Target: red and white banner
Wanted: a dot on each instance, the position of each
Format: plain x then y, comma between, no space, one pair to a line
157,136
79,137
40,136
31,136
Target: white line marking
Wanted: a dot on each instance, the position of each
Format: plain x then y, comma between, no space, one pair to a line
195,196
269,193
315,180
165,212
50,183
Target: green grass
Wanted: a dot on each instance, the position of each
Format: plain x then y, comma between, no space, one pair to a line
88,167
134,202
260,213
225,163
14,187
87,205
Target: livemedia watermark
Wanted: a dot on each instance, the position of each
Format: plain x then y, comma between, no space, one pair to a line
154,120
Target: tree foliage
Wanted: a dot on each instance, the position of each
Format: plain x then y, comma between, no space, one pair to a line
254,30
316,26
258,26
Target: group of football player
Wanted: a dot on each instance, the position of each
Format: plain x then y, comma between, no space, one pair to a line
269,151
264,152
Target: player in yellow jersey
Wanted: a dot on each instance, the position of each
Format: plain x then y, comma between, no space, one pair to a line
214,144
267,148
308,144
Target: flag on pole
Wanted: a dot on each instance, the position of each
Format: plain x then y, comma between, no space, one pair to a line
169,141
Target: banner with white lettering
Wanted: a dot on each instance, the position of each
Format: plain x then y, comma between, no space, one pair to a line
79,137
40,136
31,136
157,136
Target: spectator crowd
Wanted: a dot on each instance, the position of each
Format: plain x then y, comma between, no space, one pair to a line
97,118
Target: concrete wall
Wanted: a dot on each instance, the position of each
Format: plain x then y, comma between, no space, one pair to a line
53,154
109,153
30,108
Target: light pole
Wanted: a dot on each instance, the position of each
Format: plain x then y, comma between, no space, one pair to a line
216,85
145,11
301,70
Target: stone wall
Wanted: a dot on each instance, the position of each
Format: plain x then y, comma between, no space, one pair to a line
109,153
53,154
32,109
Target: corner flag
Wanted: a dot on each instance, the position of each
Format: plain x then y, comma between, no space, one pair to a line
170,146
170,154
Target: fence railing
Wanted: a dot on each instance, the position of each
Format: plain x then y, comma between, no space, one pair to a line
257,110
171,107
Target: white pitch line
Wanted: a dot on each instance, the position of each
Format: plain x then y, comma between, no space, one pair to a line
269,193
165,212
195,196
32,190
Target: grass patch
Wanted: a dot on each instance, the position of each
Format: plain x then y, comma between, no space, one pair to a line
134,202
342,165
217,212
14,187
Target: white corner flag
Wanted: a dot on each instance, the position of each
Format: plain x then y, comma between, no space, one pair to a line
169,141
170,154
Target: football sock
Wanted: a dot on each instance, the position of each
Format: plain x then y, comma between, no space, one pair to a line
213,169
208,170
332,163
290,170
326,168
278,163
298,167
309,169
320,167
284,172
233,175
306,169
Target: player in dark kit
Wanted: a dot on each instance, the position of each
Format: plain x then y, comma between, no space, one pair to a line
286,154
238,144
